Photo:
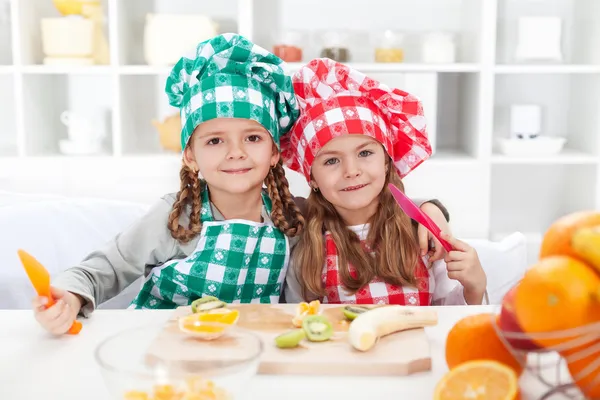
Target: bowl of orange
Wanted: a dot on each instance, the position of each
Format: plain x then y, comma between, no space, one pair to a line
191,357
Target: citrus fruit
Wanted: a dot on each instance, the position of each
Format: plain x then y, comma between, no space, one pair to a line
475,337
305,309
558,238
478,380
209,325
556,294
585,370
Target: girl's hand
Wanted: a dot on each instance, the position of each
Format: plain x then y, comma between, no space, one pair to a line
58,318
464,266
425,237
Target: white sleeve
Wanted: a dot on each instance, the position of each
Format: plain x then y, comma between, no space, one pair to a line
447,292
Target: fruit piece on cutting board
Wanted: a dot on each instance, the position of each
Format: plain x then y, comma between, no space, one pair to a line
305,309
207,303
586,244
290,339
476,337
368,327
209,325
317,328
351,312
478,380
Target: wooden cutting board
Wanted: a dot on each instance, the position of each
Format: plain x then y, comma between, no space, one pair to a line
400,353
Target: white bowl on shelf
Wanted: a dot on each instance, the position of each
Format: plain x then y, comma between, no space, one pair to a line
540,146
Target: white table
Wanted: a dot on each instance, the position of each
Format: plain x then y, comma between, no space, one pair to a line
35,365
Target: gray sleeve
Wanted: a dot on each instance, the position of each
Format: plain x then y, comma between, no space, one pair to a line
292,291
292,288
106,272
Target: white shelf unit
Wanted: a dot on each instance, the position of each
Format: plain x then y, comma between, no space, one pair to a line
488,194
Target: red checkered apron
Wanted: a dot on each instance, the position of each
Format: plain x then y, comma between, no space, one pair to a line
377,291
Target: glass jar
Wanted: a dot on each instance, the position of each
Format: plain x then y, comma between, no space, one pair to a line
335,46
388,47
438,47
289,46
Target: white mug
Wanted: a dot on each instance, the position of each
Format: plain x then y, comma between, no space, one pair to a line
81,130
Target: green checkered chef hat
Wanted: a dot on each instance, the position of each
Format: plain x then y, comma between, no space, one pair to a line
230,77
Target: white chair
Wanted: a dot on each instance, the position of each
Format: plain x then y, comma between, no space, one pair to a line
59,232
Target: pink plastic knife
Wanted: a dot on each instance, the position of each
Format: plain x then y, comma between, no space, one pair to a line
415,213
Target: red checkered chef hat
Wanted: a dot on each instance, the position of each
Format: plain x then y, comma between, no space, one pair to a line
336,100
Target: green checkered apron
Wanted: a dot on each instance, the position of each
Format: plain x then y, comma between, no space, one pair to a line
237,261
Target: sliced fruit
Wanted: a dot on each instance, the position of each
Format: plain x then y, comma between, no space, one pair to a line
197,388
209,325
368,327
351,312
136,395
305,309
478,380
317,328
290,339
207,303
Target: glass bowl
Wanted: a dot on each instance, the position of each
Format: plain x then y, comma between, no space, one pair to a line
163,362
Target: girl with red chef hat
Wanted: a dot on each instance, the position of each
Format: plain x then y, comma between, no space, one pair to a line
354,136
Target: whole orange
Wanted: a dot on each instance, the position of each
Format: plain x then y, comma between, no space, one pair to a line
555,294
586,371
475,338
557,239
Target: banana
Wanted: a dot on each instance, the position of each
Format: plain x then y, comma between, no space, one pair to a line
586,244
368,327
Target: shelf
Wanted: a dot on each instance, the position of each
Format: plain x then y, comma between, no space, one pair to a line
8,133
457,115
65,69
134,14
529,199
405,67
566,157
412,18
144,70
143,101
547,69
46,97
570,108
30,13
6,57
580,31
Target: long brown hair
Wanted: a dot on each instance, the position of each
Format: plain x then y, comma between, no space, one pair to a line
285,214
391,230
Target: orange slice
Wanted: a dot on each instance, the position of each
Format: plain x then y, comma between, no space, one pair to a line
305,309
478,380
209,325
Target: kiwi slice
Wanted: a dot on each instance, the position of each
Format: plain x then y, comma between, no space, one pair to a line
290,339
317,328
206,303
351,312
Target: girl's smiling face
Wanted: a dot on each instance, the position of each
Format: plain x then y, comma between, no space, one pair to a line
350,172
234,155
